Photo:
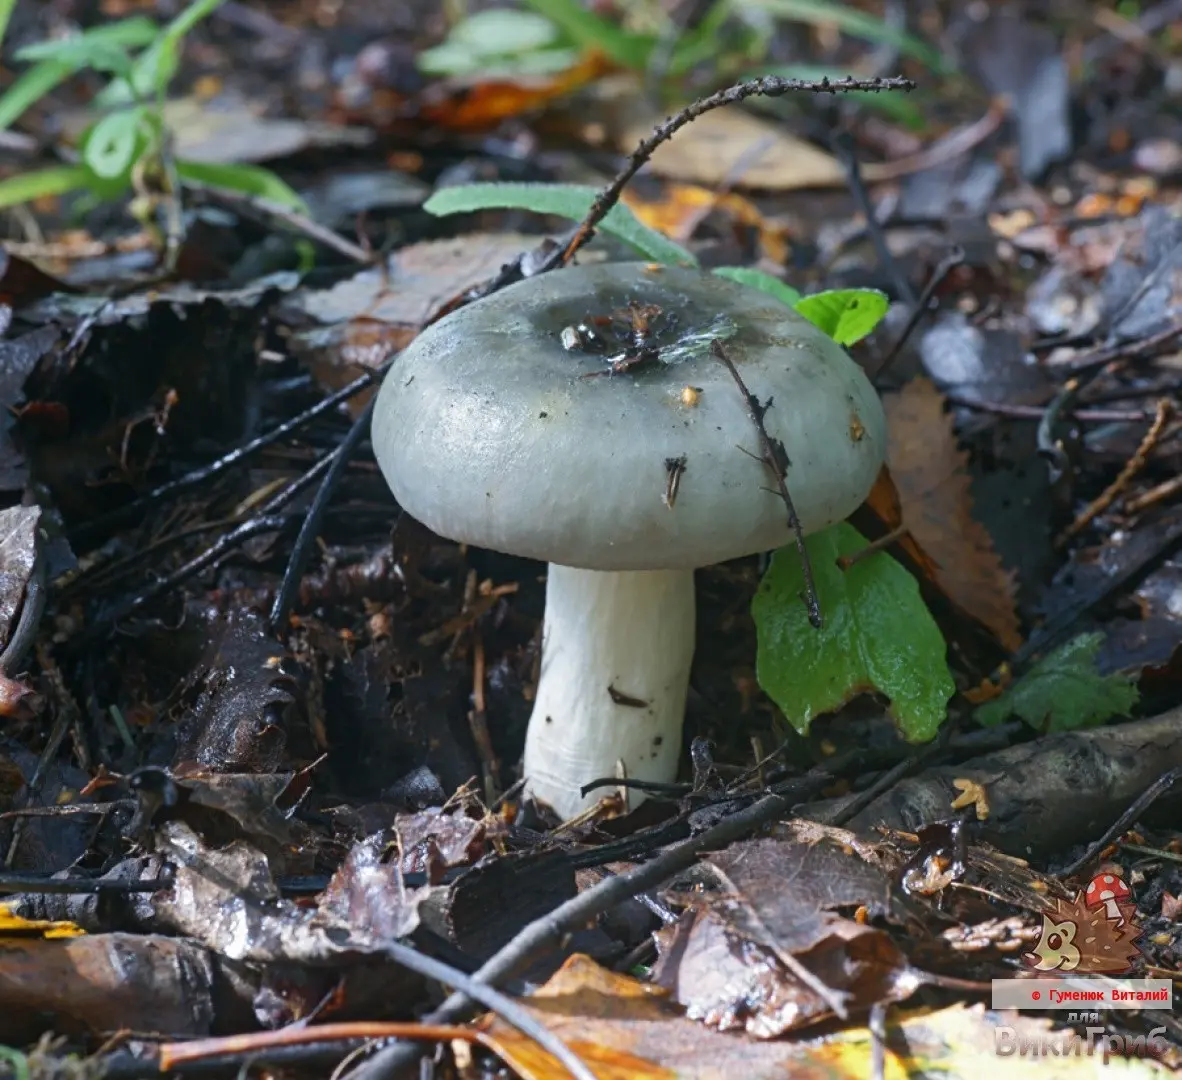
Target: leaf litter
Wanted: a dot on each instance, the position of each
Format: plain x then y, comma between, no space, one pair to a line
219,814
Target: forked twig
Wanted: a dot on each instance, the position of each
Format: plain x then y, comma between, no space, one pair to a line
775,458
768,86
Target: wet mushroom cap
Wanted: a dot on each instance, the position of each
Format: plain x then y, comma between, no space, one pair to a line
488,433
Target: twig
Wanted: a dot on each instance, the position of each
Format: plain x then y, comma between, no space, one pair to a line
776,460
1100,357
338,462
493,1000
877,1026
1035,412
1138,807
954,145
546,933
1132,467
275,213
768,86
952,259
846,561
173,1055
234,457
843,147
1165,490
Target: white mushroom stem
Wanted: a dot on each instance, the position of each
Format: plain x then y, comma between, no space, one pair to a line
610,641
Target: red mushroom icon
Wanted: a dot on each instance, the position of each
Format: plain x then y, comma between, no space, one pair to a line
1109,890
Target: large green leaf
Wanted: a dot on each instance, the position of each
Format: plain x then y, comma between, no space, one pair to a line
877,636
1063,691
562,200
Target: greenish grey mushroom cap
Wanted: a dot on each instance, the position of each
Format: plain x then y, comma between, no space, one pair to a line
488,433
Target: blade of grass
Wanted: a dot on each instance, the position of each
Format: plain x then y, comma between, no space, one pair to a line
571,201
588,30
248,179
41,182
857,24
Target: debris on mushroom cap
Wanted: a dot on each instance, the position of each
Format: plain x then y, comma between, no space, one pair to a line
539,421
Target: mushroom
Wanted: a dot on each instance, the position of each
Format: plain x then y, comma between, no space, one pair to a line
549,421
1108,890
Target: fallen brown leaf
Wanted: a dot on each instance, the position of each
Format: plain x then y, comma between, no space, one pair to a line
928,468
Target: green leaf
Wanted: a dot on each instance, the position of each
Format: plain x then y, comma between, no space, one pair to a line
857,24
248,179
110,146
846,315
40,79
82,50
1063,691
562,200
757,279
156,65
34,185
878,636
588,30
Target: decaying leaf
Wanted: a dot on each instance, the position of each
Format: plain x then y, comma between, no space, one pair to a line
933,485
238,700
725,961
18,554
731,146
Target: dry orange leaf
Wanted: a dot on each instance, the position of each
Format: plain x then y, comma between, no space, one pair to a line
933,488
681,207
481,105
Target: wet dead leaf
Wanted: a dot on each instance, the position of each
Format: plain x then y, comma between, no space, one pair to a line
238,700
18,554
368,891
725,960
732,146
375,313
928,468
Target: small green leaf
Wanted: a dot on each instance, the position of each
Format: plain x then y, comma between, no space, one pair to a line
757,279
878,636
846,315
34,185
588,30
248,179
109,148
562,200
1063,691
